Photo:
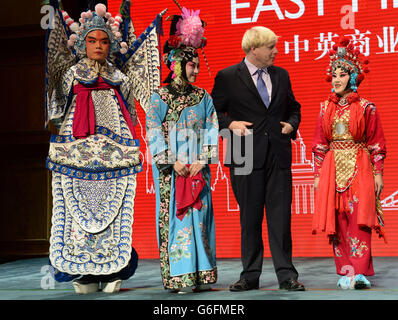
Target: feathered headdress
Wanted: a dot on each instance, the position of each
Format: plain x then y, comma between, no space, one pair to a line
190,29
186,36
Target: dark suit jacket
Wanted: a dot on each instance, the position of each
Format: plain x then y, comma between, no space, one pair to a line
236,98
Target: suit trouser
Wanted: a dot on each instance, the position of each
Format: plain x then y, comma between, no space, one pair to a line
270,186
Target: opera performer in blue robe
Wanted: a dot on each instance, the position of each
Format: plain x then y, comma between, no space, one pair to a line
182,134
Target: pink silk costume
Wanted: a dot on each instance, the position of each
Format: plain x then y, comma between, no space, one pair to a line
349,149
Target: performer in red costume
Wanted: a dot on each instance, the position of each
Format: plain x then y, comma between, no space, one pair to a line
349,149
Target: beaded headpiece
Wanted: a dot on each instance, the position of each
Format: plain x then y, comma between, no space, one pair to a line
186,36
100,19
344,55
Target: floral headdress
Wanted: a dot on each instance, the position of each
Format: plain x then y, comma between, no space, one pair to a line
100,19
344,55
186,36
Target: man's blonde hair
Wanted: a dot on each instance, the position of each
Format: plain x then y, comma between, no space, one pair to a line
256,37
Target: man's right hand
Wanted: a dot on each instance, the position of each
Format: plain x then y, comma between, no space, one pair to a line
240,127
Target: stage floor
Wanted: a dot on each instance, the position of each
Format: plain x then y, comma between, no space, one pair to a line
26,280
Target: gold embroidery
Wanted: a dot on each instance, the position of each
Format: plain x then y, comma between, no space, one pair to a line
345,150
345,160
324,106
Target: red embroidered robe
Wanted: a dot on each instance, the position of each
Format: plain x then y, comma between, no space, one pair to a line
349,148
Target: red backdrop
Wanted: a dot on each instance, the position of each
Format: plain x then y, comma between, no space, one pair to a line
306,32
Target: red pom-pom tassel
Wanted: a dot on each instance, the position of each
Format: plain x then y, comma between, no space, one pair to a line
360,78
344,41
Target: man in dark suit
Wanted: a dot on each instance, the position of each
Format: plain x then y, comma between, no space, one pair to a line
255,98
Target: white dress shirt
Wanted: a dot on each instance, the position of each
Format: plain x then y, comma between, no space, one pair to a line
267,79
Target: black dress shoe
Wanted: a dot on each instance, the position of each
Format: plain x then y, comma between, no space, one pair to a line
291,285
243,285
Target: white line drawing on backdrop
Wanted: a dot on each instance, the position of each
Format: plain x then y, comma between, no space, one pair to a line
303,201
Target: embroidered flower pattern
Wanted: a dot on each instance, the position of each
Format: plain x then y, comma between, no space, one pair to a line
88,71
351,203
374,147
179,249
357,248
170,282
337,252
177,102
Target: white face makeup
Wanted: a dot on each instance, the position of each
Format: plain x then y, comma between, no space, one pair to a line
340,79
192,69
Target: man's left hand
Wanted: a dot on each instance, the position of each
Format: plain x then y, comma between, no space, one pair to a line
287,128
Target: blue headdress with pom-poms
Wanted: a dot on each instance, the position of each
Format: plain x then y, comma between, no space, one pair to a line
99,19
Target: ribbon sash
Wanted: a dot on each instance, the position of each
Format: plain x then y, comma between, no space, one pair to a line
84,117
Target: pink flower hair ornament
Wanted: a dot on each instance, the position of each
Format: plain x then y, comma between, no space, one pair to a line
186,37
190,28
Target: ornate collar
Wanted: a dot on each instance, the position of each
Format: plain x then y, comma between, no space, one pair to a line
352,97
178,90
343,102
87,71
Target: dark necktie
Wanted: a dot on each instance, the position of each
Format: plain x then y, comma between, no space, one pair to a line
262,88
